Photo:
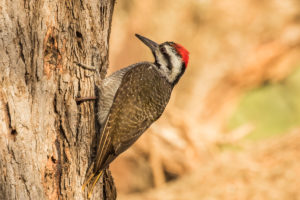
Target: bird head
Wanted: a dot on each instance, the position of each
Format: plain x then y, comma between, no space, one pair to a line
171,59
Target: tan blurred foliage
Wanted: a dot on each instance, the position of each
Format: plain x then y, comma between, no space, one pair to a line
234,46
253,174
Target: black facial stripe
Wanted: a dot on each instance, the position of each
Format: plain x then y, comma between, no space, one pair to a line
167,57
156,61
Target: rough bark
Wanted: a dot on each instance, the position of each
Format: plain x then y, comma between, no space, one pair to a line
46,138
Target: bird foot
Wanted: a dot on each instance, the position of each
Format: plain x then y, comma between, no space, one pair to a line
92,68
80,99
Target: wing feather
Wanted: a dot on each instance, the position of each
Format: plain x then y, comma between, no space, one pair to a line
139,101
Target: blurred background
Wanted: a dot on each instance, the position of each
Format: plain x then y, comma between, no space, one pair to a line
232,127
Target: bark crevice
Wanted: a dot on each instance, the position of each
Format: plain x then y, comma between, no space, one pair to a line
46,138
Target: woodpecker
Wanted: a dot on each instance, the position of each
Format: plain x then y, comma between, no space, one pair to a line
131,99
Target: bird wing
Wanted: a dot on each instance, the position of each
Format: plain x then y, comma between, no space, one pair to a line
139,101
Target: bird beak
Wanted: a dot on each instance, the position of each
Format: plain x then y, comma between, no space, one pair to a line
152,45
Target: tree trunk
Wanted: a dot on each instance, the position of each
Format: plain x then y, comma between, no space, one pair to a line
47,139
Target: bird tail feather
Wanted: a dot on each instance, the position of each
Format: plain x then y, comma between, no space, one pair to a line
92,179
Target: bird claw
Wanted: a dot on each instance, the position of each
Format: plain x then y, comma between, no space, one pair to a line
80,99
92,68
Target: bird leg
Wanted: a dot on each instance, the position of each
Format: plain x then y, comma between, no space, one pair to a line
80,99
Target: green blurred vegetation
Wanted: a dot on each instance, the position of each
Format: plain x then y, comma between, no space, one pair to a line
273,108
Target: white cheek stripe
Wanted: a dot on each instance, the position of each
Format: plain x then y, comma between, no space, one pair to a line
162,62
176,64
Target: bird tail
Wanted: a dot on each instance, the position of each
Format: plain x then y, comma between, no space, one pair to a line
92,179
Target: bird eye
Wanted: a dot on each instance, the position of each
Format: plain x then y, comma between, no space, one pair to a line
163,50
